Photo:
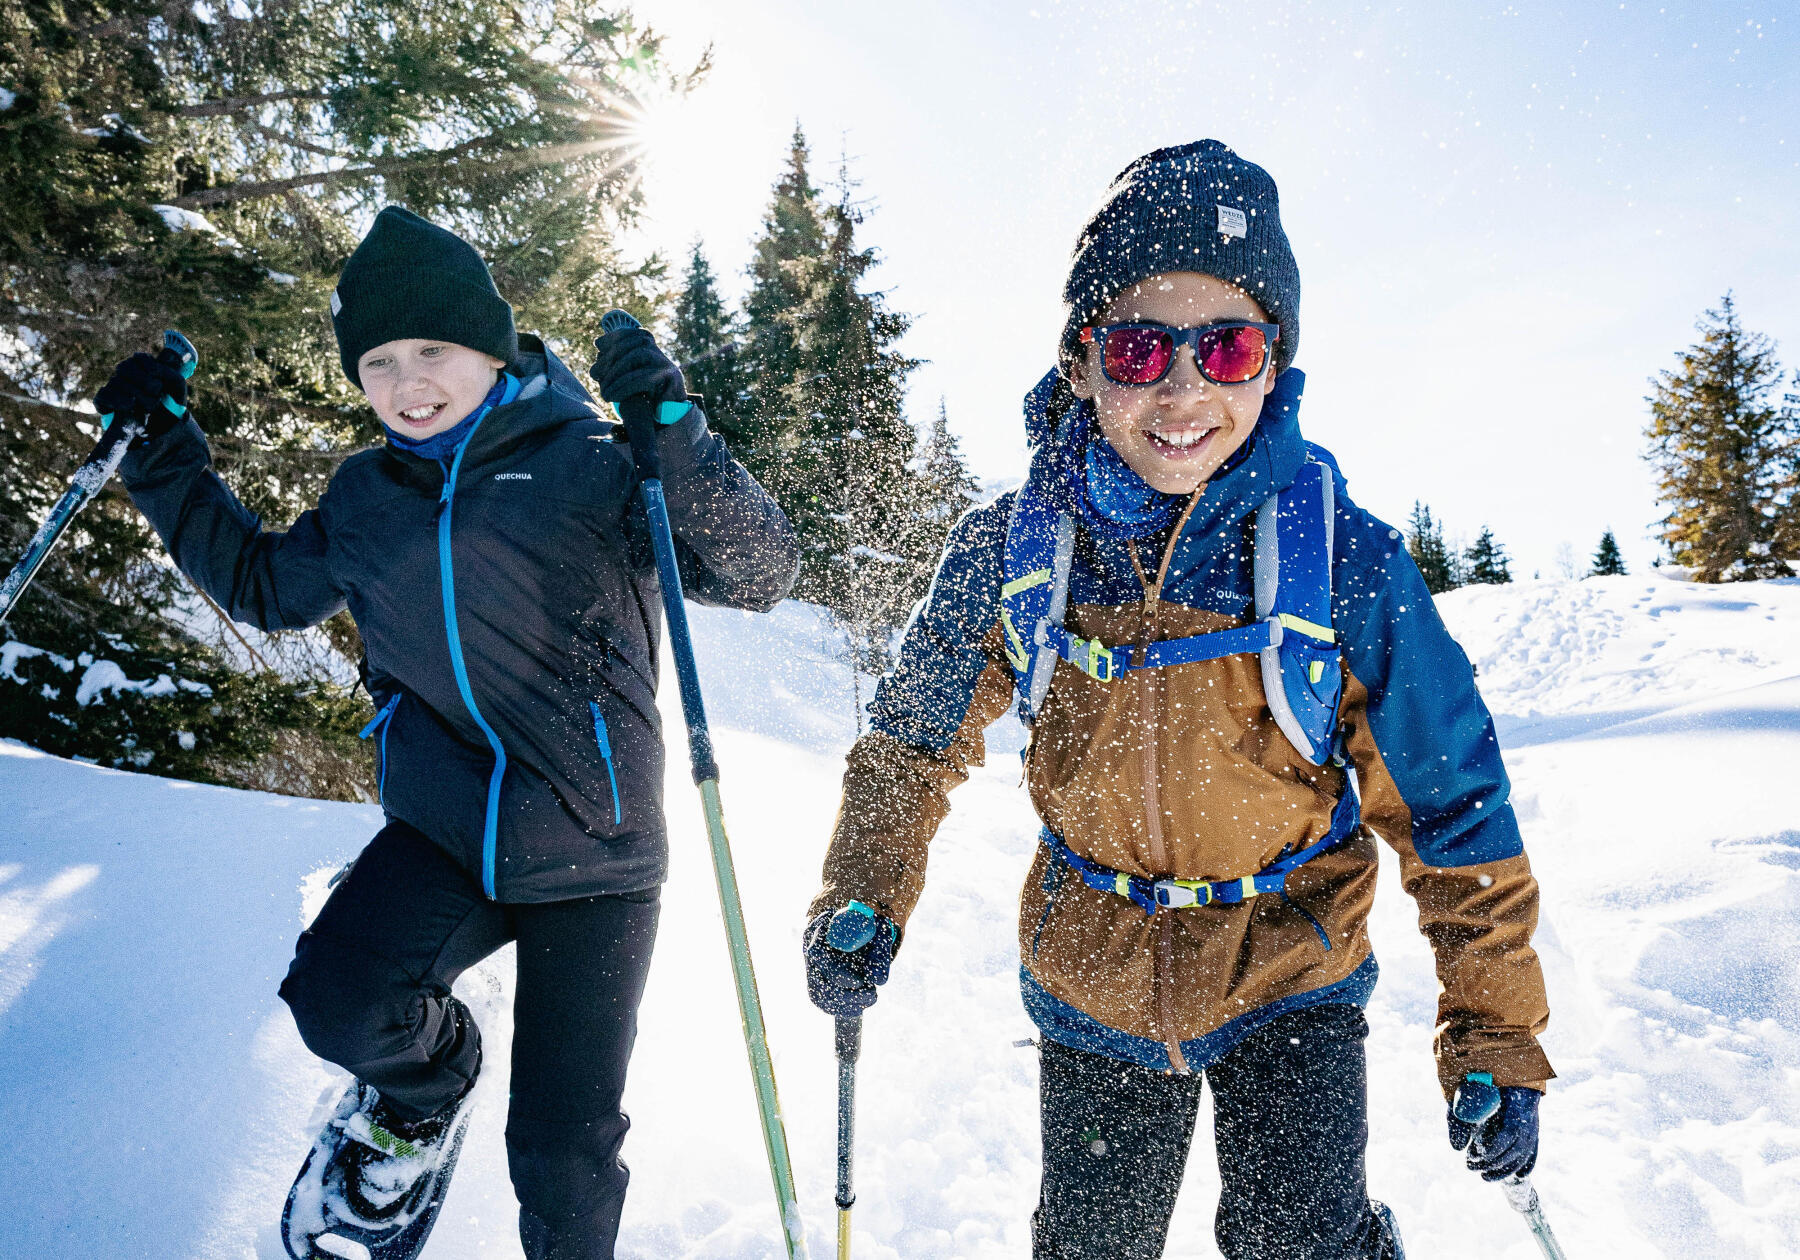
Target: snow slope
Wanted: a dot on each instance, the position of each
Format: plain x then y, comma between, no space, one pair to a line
155,1099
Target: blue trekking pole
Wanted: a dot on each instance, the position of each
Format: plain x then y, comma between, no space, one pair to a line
89,479
851,928
1477,1101
640,427
848,1045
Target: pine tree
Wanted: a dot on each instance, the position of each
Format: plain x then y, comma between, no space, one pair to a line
1485,562
208,168
853,496
1724,451
1607,560
705,343
1425,541
948,488
775,313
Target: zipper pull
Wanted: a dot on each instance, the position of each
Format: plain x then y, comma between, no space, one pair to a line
601,737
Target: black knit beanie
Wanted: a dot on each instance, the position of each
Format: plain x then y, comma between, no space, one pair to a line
1196,207
410,278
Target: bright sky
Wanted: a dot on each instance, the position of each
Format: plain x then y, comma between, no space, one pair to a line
1507,217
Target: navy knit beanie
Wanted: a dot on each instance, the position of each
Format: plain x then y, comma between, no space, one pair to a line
1196,207
410,278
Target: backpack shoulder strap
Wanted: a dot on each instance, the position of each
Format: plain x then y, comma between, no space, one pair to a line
1301,670
1040,551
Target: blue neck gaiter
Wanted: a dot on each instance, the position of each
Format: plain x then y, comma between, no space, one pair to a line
1116,502
441,446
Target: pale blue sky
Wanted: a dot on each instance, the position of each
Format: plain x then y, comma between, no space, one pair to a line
1507,217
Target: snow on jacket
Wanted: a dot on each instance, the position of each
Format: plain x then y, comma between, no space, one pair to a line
510,613
1182,772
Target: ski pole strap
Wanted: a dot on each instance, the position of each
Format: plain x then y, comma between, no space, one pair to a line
1103,663
1151,895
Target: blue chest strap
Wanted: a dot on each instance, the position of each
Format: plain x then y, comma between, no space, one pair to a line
1292,633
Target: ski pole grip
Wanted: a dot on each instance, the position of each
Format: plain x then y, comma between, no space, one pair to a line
638,412
1477,1100
851,928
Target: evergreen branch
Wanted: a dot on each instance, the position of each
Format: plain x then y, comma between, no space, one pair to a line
295,142
223,106
250,190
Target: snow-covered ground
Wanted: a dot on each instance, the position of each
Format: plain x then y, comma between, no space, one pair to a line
155,1100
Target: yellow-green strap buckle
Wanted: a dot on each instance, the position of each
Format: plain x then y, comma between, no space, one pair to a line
1093,658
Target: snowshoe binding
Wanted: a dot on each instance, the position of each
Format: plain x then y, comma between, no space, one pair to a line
372,1184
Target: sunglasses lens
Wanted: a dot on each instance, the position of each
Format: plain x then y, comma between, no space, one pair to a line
1232,355
1138,356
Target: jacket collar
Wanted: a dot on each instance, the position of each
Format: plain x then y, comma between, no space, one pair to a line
549,395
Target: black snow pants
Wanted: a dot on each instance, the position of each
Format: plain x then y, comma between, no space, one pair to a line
370,990
1290,1120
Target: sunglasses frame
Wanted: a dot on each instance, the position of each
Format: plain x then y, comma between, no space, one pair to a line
1096,335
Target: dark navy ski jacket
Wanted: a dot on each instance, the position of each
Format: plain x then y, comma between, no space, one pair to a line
510,612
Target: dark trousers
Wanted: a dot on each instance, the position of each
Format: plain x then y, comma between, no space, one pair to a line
370,990
1290,1120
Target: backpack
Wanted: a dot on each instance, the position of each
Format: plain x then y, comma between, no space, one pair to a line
1292,633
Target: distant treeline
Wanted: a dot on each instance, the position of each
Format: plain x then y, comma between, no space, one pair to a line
1725,443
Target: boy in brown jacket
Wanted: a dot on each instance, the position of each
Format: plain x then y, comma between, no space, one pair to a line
1233,677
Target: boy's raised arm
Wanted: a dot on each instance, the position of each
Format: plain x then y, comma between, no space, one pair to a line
1434,787
925,728
275,580
734,544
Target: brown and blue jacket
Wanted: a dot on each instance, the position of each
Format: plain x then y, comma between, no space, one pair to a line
1182,772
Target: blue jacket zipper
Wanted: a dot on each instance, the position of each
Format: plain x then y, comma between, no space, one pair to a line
491,826
606,754
381,723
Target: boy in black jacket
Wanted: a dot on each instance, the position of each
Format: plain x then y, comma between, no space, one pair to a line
499,569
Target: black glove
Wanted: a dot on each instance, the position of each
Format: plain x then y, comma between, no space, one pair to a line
627,363
137,390
1506,1143
842,982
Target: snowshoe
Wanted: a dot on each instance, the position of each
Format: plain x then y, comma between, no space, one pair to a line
371,1186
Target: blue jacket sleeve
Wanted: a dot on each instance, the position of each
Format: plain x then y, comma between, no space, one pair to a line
272,579
1434,787
1424,712
733,543
925,727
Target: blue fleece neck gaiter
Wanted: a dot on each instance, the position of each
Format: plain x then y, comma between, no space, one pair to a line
441,446
1115,501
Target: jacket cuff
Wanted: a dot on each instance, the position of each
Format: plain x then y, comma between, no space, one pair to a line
680,443
180,447
1521,1065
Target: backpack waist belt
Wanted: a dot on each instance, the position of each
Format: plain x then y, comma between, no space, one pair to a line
1151,895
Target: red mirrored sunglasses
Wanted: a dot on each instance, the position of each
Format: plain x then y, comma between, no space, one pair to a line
1230,353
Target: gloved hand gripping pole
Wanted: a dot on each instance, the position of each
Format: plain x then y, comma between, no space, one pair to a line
1477,1102
640,427
89,479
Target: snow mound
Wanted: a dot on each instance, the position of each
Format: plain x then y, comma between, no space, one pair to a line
157,1100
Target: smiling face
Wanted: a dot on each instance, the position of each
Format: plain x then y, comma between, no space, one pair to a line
1175,433
420,388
